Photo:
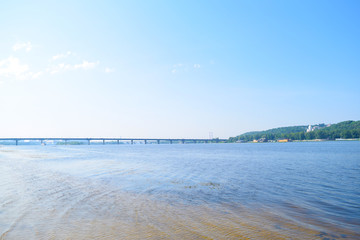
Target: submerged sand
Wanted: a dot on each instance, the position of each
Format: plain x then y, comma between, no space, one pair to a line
40,204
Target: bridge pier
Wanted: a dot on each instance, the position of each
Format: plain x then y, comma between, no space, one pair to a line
145,141
16,142
182,141
118,142
65,141
103,141
170,141
158,141
132,141
89,142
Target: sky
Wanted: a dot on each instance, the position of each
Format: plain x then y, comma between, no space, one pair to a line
176,69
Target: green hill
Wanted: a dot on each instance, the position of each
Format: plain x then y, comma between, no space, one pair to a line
280,130
346,130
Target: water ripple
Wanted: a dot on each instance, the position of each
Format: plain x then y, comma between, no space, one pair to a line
219,191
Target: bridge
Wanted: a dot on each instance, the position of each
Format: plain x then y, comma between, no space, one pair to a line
118,140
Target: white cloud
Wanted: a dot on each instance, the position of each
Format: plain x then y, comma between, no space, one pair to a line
18,46
13,68
36,75
86,65
62,55
183,68
62,67
177,65
109,70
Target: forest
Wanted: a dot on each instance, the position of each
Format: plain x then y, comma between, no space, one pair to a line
345,130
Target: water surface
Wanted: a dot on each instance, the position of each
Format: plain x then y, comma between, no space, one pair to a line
181,191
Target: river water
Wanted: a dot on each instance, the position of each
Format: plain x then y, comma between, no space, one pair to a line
181,191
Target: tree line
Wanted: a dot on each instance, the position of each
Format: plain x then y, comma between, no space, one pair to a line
345,130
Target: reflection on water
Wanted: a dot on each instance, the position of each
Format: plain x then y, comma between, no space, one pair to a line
194,191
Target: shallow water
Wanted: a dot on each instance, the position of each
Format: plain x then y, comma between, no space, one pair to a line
190,191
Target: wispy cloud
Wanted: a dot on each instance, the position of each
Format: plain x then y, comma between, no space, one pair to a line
176,67
62,67
109,70
62,55
181,68
37,74
13,68
86,65
66,66
18,46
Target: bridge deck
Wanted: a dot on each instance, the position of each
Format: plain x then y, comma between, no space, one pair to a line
145,140
121,139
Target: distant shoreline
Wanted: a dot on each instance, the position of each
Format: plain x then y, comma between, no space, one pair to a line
346,130
312,140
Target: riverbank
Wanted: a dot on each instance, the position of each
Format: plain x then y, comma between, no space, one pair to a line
289,140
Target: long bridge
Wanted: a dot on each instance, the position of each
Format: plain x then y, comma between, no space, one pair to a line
118,140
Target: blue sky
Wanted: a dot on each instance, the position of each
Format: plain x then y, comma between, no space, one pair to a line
176,69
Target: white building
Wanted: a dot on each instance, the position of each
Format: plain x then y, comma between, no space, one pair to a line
309,129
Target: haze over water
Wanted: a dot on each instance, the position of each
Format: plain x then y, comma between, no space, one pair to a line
181,191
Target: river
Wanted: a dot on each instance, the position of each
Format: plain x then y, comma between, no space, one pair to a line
302,190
